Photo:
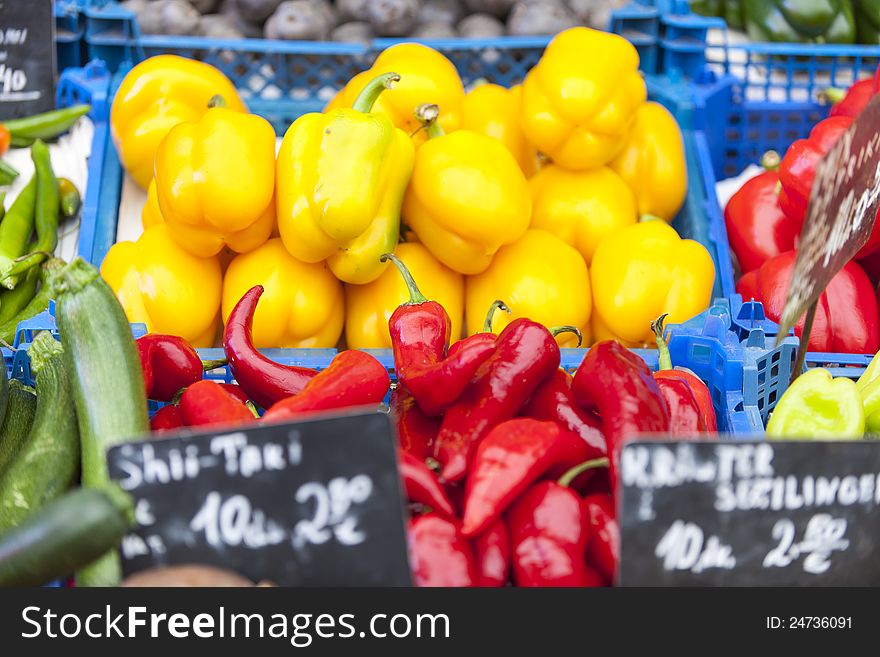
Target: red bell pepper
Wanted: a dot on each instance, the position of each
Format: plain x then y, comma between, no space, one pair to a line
237,392
549,534
856,97
416,431
485,336
167,418
757,228
603,544
619,385
492,551
421,485
690,410
439,555
553,400
170,364
264,380
846,317
206,403
525,354
353,378
420,333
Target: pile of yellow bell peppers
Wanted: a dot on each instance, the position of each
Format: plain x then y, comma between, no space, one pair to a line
554,196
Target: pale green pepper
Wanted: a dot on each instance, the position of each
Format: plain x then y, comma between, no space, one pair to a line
818,406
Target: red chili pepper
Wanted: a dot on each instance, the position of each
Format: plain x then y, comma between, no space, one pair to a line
553,400
421,485
757,228
485,336
619,385
167,418
236,391
512,456
691,409
846,317
857,97
264,380
354,378
439,555
492,551
170,364
416,431
549,536
603,544
206,403
525,354
420,333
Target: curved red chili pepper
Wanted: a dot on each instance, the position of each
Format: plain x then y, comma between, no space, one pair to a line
416,431
206,403
492,550
236,391
264,380
485,336
439,554
167,418
421,485
603,543
354,378
420,333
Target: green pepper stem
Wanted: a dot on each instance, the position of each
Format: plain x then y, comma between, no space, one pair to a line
570,475
664,356
833,95
498,304
252,408
556,330
427,114
208,365
771,160
415,295
217,101
369,94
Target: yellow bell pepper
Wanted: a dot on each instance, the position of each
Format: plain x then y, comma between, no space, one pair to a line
652,162
165,287
493,111
302,305
539,277
580,99
426,76
155,96
151,215
341,178
369,307
642,271
581,207
467,197
215,180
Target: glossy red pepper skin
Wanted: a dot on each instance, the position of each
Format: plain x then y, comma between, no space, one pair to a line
172,363
798,170
492,552
603,543
846,316
206,403
353,378
525,354
476,338
416,431
548,538
420,335
698,390
264,380
757,228
439,555
512,456
237,392
685,417
554,401
617,383
167,418
857,97
421,485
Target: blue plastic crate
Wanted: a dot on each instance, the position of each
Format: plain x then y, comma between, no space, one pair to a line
69,31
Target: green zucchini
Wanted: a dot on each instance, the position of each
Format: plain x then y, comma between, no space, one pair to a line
47,463
108,385
64,535
4,394
17,423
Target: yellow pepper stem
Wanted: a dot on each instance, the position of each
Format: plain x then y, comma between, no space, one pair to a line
370,93
556,330
664,356
427,114
415,295
217,101
498,304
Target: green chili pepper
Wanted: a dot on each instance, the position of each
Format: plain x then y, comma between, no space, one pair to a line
798,21
17,226
69,198
13,302
8,173
2,205
46,209
37,304
48,125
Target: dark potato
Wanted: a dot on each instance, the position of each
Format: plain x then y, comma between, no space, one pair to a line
480,26
353,32
434,30
442,11
297,20
499,8
186,576
392,18
539,18
256,11
205,6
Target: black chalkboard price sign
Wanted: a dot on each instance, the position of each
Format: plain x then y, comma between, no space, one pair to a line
27,57
314,503
750,513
